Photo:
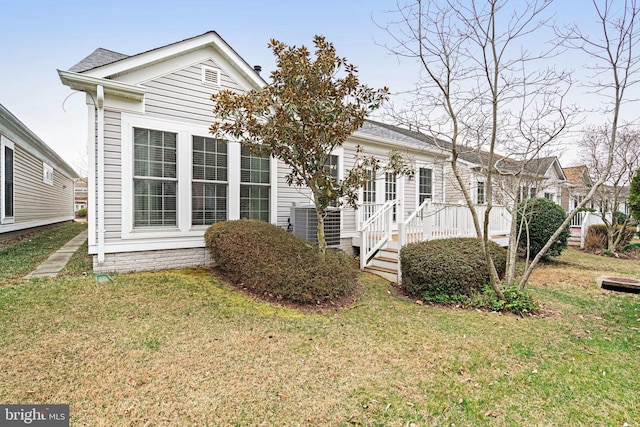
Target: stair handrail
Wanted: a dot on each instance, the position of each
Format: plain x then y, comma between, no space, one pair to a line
372,242
387,206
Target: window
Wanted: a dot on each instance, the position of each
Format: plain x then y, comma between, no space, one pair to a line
549,196
425,185
47,174
6,180
254,186
480,193
209,185
532,192
369,189
390,189
154,178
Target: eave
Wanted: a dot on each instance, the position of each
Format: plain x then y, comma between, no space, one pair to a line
84,83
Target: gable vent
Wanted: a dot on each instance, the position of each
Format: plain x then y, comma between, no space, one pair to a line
210,76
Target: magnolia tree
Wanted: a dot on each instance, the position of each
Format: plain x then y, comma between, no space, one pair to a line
310,108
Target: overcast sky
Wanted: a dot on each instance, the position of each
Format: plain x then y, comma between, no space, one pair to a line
40,36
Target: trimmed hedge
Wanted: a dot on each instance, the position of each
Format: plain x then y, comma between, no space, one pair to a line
449,269
270,261
596,238
544,217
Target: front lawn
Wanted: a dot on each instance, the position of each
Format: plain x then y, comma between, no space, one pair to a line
182,348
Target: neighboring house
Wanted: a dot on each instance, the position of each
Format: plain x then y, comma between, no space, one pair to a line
541,177
36,185
580,184
81,193
157,178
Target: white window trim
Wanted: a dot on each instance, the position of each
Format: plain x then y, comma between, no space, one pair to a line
47,174
474,185
6,142
416,179
184,174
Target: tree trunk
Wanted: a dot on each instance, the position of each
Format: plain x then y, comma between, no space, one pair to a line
322,243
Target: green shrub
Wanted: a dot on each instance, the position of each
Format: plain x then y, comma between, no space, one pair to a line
268,260
596,238
543,217
448,270
82,212
517,301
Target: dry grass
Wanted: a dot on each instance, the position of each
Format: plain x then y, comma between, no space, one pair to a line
181,348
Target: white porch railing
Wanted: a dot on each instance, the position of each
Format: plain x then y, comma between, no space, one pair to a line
443,220
366,211
430,221
376,231
576,221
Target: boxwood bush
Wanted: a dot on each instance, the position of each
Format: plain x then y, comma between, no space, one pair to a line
270,261
448,270
544,217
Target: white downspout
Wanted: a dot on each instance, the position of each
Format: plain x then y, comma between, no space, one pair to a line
100,177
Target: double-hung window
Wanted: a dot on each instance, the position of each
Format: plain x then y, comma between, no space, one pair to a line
425,185
6,180
154,178
209,186
254,186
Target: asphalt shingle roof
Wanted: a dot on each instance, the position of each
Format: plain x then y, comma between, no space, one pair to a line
97,58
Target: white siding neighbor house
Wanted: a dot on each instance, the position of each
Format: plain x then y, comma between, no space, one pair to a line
158,179
36,185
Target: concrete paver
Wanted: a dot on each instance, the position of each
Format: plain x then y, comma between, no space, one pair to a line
56,262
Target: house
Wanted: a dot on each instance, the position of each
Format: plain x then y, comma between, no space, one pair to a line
36,185
81,194
580,184
157,178
537,177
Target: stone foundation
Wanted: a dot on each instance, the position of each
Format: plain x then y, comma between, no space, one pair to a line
168,259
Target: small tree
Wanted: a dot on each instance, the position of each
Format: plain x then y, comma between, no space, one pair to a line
613,193
308,110
634,196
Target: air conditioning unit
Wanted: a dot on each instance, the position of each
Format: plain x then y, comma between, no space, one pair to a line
305,224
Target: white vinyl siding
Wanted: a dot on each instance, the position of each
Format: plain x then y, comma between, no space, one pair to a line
181,95
155,178
209,186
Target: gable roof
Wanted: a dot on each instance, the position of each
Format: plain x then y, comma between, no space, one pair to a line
97,58
575,173
36,146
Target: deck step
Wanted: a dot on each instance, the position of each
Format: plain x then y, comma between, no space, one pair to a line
385,273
